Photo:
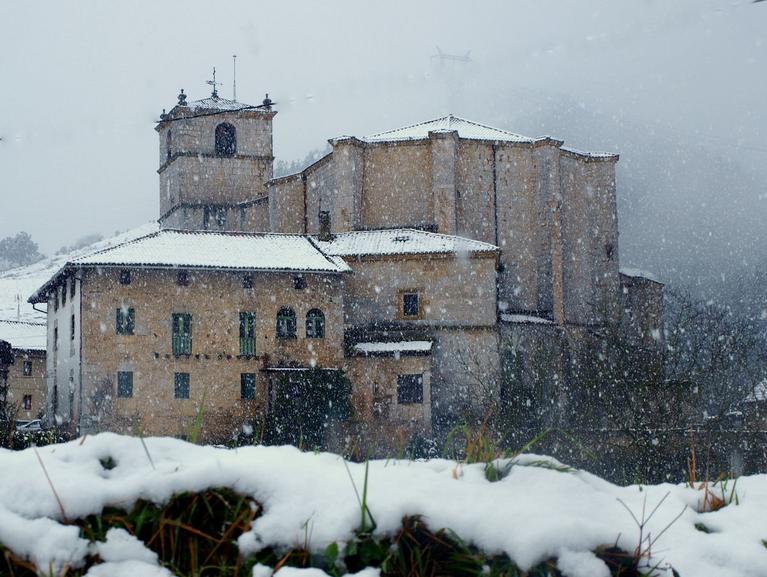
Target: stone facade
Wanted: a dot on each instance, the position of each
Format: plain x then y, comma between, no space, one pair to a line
26,376
515,317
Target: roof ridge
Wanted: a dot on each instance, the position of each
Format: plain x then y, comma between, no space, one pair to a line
409,126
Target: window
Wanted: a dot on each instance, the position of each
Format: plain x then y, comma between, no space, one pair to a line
64,294
226,140
182,333
125,321
125,277
248,386
169,144
72,329
286,323
182,278
72,288
221,217
315,324
124,384
410,305
181,385
247,281
409,389
27,402
26,369
55,337
299,283
248,334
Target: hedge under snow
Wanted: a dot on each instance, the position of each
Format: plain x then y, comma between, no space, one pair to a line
534,513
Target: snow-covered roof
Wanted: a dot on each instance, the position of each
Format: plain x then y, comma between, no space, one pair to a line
637,273
594,155
525,319
465,129
18,283
214,251
400,241
24,335
390,349
216,103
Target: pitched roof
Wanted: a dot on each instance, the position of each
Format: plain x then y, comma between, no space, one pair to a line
400,241
465,129
24,335
216,104
210,250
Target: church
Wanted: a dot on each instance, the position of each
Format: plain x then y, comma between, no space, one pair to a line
445,267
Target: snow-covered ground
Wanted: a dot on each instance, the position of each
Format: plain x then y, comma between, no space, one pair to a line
16,285
532,514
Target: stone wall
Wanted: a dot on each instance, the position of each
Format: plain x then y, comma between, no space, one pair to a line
397,185
454,291
215,299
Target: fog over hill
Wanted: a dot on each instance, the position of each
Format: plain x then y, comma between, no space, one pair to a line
676,88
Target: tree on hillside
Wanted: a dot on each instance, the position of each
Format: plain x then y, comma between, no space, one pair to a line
19,250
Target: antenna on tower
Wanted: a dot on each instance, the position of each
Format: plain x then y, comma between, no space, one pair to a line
234,77
213,83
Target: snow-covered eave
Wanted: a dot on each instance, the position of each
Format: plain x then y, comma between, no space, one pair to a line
41,294
635,273
187,112
523,319
590,156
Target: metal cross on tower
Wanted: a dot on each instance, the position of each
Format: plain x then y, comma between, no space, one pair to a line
213,83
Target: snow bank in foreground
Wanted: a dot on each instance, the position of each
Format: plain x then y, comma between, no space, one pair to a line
533,514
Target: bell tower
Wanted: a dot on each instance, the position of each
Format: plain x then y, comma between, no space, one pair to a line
215,159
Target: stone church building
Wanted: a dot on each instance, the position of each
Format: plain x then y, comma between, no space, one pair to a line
418,260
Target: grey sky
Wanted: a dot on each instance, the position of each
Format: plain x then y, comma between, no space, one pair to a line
678,88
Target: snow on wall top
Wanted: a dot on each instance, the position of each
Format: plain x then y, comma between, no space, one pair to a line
637,273
400,241
465,129
405,347
29,336
525,319
211,250
17,284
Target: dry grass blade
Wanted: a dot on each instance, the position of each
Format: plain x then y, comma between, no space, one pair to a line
146,450
50,483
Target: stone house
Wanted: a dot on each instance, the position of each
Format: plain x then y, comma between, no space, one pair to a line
475,265
27,388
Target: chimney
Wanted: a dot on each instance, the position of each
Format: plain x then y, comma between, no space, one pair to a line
325,235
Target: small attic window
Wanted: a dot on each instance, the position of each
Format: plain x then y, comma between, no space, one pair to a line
226,140
402,238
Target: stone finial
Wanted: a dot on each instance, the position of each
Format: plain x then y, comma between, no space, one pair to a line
267,103
182,98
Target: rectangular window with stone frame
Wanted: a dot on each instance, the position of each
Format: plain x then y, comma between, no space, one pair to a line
248,386
27,369
181,385
410,305
27,403
181,339
125,321
247,334
410,389
124,384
